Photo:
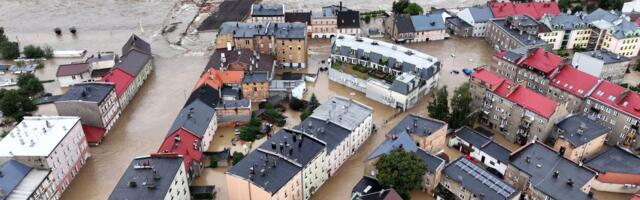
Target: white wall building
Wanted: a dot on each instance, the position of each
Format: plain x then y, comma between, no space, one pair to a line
478,17
74,73
56,143
483,148
602,64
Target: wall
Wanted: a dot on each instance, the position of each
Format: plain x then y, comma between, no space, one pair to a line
587,64
291,52
314,175
256,92
87,111
66,81
179,188
615,187
347,80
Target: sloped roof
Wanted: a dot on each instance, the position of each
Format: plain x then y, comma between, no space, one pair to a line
533,9
120,78
13,172
72,69
478,181
302,147
133,62
401,140
427,22
194,117
574,81
348,19
615,159
206,94
182,142
481,14
533,101
418,125
579,129
136,43
274,178
95,92
165,166
543,60
267,10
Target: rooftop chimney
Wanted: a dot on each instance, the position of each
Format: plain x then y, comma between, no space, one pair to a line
556,173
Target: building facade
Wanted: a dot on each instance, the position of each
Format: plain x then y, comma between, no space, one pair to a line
578,137
481,148
514,32
156,176
602,64
20,181
565,31
478,17
267,13
467,181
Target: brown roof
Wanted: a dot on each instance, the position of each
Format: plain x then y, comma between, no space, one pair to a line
216,78
240,60
72,69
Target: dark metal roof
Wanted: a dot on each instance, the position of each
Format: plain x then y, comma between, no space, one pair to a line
348,19
615,159
385,194
430,22
404,24
267,10
579,129
542,164
478,181
472,137
242,103
13,172
133,62
365,182
431,161
497,151
328,132
166,167
523,38
418,125
255,77
195,117
100,72
136,43
481,14
241,58
303,149
304,17
274,177
94,92
291,76
206,94
402,140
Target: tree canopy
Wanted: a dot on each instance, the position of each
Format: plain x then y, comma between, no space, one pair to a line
251,131
29,84
405,7
401,170
461,111
8,49
439,106
15,105
313,104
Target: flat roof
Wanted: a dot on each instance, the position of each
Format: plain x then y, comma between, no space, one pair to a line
417,125
579,129
37,136
90,91
347,113
615,159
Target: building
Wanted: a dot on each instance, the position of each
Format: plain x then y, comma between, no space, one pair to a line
478,17
481,148
95,103
413,73
242,60
267,13
617,170
519,113
299,16
136,60
100,65
545,174
514,32
578,137
428,133
122,82
531,66
286,41
324,24
186,144
619,109
534,10
571,86
70,74
288,85
199,119
156,176
20,181
402,141
233,112
369,189
55,145
602,64
610,30
349,22
351,123
255,86
565,31
458,27
466,180
417,28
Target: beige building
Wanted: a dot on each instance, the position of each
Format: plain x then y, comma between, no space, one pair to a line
611,30
286,41
577,137
514,32
565,31
267,13
519,113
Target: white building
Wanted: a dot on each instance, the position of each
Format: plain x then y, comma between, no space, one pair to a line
602,64
157,176
631,7
478,17
482,148
56,143
19,181
73,73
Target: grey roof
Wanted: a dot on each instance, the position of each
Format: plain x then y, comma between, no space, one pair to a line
513,55
95,92
267,10
523,38
303,147
241,57
133,62
404,24
417,125
328,132
427,22
273,178
617,24
294,30
384,194
242,30
522,20
564,22
304,17
543,162
481,14
405,83
601,14
497,151
431,161
606,56
166,167
367,182
100,57
615,159
478,181
206,94
242,103
13,172
456,21
136,43
402,140
472,136
4,67
195,117
579,129
347,113
229,91
255,77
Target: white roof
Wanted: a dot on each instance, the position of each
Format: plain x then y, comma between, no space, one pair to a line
28,185
632,6
399,52
36,136
344,112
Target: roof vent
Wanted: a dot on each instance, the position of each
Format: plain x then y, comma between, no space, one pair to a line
556,173
528,159
570,182
133,184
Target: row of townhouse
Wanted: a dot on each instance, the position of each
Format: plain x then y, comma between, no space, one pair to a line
599,99
287,42
417,28
41,156
327,23
99,104
294,163
412,73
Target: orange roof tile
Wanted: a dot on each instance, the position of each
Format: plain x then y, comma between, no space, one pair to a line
216,79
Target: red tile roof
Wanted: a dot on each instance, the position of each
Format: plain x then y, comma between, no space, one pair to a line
120,78
618,97
534,9
72,69
543,61
637,21
574,81
183,146
93,134
216,78
520,95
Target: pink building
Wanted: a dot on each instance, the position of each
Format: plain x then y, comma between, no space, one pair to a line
56,143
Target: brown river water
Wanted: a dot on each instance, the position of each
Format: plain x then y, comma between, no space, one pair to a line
103,25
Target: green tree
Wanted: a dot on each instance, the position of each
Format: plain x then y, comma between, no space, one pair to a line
401,170
399,6
251,131
29,84
412,9
31,51
8,49
213,161
439,106
564,5
611,4
461,110
313,102
306,113
15,105
236,157
296,104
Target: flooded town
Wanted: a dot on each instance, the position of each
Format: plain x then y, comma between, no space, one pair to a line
319,99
